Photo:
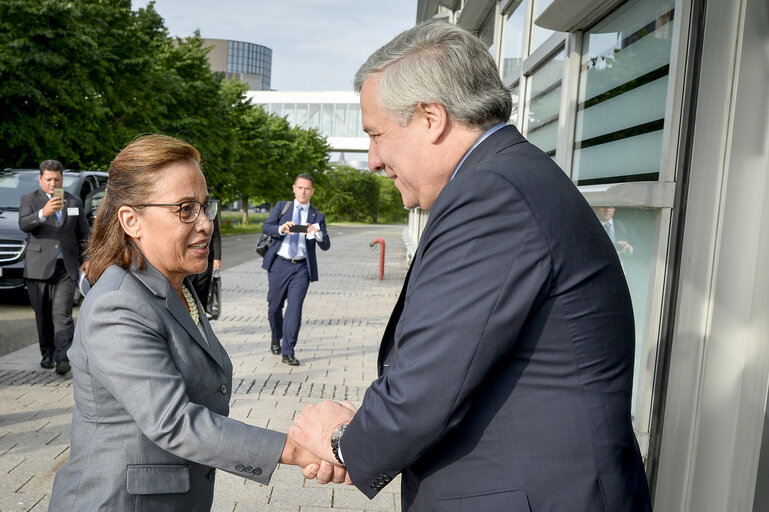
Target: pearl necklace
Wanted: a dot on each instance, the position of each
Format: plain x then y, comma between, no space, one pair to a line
191,305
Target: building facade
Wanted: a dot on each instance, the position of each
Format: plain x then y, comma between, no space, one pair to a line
248,62
658,109
334,114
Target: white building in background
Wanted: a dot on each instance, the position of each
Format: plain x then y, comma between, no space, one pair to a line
335,114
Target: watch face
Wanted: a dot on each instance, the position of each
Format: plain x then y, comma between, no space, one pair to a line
336,435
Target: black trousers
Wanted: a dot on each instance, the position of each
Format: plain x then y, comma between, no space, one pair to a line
52,301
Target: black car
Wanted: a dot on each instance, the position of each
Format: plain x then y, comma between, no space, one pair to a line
14,183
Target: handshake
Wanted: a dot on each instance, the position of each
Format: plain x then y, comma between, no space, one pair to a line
308,444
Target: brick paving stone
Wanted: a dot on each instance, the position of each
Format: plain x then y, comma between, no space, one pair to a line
345,313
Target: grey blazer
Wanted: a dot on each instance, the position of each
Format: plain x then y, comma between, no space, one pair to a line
151,403
44,238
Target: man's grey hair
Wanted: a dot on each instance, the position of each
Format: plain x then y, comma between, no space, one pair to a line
436,62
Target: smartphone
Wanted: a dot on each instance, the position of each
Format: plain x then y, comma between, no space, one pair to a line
58,192
298,228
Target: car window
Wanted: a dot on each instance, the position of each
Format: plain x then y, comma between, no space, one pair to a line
13,186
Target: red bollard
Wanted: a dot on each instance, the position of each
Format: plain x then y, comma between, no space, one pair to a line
381,256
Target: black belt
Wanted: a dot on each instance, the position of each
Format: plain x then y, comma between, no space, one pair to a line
289,260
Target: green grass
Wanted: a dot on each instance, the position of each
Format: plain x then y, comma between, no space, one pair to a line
231,223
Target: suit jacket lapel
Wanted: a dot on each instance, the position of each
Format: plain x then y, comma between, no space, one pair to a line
157,283
388,338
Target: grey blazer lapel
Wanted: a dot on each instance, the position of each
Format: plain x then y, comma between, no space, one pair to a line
157,283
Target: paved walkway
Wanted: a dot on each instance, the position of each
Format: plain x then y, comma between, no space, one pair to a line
344,316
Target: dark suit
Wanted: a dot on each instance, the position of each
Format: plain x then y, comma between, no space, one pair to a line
506,367
289,280
202,282
52,279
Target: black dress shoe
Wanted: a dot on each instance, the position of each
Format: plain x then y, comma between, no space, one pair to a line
62,367
275,347
291,360
47,362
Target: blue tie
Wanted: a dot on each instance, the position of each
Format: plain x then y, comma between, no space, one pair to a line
58,216
293,242
609,227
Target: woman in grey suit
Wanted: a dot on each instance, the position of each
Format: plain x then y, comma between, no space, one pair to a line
151,381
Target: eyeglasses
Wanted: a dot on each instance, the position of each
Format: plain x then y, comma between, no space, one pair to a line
190,210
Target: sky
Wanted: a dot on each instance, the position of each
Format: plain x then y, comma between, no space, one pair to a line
317,45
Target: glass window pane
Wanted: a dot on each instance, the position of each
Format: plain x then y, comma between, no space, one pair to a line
314,121
539,35
632,233
515,91
354,127
340,120
288,113
622,92
512,43
301,115
486,32
327,120
545,104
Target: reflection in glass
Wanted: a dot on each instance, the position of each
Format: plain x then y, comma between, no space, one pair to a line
631,231
288,113
622,93
515,91
340,121
314,120
539,35
327,119
512,42
354,127
486,32
301,115
545,104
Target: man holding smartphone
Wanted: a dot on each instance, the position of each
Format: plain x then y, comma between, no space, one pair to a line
291,264
57,235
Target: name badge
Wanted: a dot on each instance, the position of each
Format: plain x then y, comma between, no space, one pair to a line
73,211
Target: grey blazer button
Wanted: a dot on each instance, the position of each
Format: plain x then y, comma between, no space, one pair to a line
212,474
257,471
240,467
248,469
223,389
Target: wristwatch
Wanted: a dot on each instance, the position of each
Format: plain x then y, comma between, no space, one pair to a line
336,435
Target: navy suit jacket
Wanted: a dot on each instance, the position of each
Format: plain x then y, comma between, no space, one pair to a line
272,225
506,368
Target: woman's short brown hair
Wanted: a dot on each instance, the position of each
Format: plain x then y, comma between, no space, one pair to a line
132,176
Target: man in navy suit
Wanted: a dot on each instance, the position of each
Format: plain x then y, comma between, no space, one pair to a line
57,235
506,367
291,264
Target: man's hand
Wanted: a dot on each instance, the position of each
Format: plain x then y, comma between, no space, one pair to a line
312,466
286,227
53,205
312,228
623,247
313,426
326,473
